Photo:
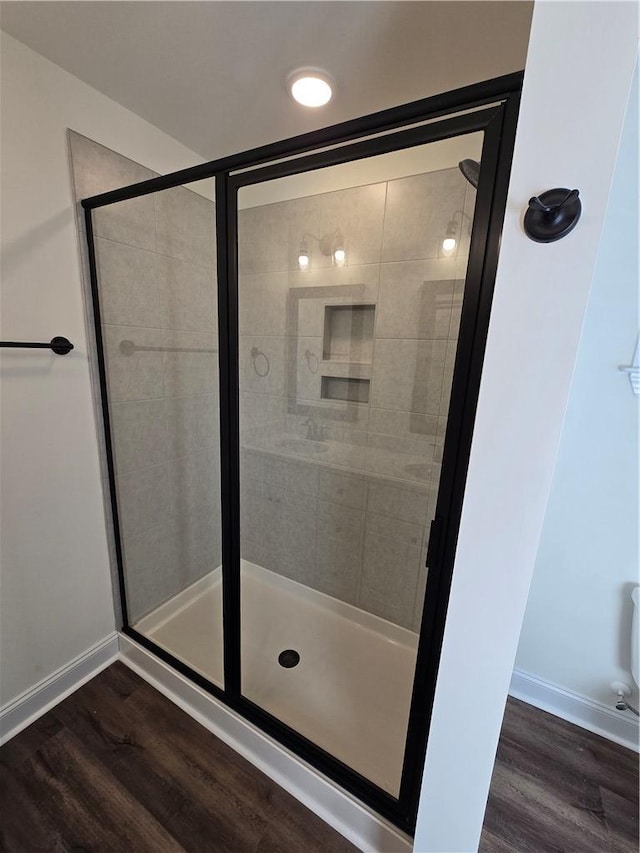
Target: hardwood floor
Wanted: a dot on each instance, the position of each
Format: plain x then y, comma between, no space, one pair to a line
117,767
557,787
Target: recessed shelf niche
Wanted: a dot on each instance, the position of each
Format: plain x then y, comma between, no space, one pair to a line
348,333
345,388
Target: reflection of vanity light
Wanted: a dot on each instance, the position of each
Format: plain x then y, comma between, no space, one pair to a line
303,257
330,244
339,254
449,243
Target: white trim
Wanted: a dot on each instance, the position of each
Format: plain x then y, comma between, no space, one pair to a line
33,703
618,726
365,829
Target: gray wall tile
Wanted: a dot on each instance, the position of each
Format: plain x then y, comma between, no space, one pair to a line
127,284
447,376
264,372
456,311
153,569
389,579
402,458
132,375
404,424
417,213
185,223
407,375
187,295
269,236
128,222
190,363
304,368
193,481
405,503
339,521
143,499
359,214
139,434
413,303
192,424
97,169
197,536
261,415
342,488
394,528
251,305
421,589
338,566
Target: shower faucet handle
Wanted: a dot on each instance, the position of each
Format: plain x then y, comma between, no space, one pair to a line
315,431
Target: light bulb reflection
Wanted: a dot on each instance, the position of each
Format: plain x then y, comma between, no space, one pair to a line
448,245
339,257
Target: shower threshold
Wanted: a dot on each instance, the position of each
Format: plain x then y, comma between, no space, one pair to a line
350,690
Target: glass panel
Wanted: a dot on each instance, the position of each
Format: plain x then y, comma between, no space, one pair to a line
157,285
349,301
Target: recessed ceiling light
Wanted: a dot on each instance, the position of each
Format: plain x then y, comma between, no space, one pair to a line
311,87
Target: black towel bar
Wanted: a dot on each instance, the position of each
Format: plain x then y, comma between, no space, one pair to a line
61,346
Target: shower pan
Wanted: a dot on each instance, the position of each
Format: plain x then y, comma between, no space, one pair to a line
289,346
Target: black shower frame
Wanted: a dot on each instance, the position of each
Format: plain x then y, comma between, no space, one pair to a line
492,107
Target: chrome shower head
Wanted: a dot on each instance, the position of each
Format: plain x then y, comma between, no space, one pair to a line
471,170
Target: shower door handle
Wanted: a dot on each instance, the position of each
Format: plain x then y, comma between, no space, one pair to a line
433,548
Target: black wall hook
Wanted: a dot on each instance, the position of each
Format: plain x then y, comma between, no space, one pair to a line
552,215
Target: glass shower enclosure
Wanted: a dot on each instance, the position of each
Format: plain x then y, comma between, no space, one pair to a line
290,344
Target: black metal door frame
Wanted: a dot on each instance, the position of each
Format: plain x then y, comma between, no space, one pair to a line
491,107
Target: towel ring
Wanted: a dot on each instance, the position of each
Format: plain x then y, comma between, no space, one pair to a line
255,355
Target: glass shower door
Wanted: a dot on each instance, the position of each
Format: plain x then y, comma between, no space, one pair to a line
155,296
350,288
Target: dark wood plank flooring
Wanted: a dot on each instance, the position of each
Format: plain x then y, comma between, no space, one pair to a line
117,767
557,788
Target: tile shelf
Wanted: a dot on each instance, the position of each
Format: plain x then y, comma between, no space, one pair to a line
347,352
348,333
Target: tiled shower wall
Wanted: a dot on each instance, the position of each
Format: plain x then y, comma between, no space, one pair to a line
157,284
339,495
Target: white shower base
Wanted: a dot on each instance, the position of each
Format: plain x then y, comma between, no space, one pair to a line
349,694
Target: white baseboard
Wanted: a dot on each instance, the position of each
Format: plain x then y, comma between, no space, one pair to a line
366,830
618,726
33,703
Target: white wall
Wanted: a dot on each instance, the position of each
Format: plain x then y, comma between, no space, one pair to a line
568,133
56,594
577,626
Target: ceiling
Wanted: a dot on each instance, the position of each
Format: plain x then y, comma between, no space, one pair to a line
211,74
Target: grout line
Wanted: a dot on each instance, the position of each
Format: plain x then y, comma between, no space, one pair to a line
208,334
155,252
170,397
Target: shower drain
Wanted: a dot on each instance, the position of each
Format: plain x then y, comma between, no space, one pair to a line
288,658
